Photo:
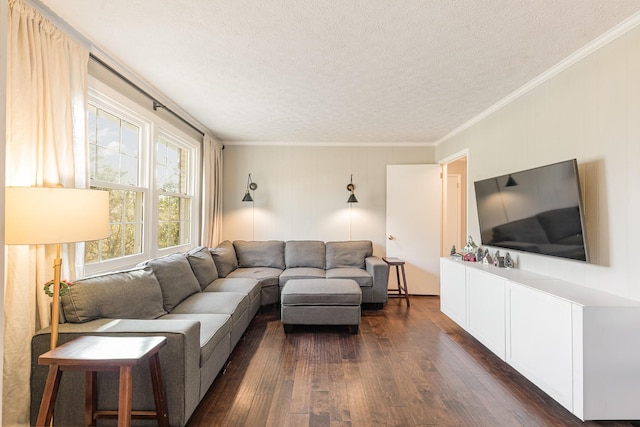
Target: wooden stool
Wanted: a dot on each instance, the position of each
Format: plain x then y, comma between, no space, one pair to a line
93,354
402,291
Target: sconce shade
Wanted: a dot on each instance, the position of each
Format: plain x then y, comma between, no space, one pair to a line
511,182
352,199
42,215
247,197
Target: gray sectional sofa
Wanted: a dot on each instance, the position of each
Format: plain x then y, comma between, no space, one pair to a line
275,262
202,301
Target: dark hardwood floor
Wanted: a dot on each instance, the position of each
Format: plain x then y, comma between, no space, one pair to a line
406,367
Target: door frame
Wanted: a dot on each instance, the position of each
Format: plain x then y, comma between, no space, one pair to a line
444,163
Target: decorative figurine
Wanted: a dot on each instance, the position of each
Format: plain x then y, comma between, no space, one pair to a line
508,261
480,255
496,259
470,257
470,247
453,250
486,259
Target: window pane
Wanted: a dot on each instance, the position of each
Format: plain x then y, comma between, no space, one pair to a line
174,223
172,163
128,170
92,251
130,140
108,130
126,224
114,147
115,206
133,239
112,245
133,206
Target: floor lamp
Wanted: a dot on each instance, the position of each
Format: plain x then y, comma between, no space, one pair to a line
42,216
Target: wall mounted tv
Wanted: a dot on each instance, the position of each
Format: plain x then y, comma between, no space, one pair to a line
536,210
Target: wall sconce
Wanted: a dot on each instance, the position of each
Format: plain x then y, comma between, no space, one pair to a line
351,187
250,186
511,182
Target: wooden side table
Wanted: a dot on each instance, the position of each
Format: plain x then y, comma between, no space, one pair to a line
93,354
402,291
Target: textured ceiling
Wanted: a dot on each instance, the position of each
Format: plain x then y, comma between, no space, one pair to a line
338,70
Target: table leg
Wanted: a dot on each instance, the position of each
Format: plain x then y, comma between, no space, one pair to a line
406,289
49,396
158,391
126,396
90,397
398,278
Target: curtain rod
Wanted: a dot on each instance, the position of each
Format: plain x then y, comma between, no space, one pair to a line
156,104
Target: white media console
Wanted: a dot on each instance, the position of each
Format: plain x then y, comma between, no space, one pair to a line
580,346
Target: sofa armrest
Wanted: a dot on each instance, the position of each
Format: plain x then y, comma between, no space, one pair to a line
379,271
179,361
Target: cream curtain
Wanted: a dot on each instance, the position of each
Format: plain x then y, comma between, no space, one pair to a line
46,137
211,192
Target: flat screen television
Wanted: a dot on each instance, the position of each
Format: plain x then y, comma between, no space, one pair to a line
536,210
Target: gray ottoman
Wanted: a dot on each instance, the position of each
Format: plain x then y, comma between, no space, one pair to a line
321,302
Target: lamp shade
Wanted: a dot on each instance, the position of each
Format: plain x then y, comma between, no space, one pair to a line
43,215
247,197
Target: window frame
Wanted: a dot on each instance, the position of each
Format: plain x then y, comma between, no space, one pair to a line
151,128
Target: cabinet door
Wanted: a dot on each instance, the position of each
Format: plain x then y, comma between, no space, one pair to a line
486,310
540,341
453,294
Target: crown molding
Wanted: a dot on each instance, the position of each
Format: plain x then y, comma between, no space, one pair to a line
329,144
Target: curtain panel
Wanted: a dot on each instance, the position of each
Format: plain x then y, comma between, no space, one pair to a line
45,146
211,192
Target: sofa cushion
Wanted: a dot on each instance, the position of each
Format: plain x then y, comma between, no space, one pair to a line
230,303
176,278
130,294
265,275
224,256
362,277
348,254
249,287
304,253
202,264
268,279
301,273
260,254
213,330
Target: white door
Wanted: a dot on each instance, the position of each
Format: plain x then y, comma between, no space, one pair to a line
413,225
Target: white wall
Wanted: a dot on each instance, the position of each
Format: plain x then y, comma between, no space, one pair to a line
591,112
302,191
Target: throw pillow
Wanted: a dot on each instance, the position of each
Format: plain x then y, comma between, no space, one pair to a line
176,278
202,265
130,294
224,256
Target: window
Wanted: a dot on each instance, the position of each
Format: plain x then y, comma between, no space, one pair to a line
150,170
174,202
